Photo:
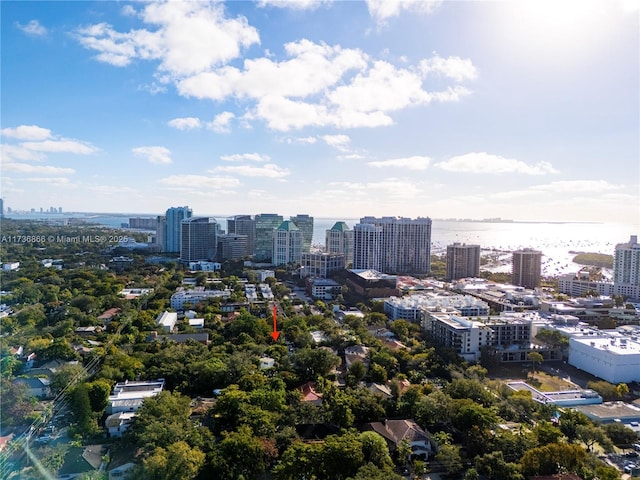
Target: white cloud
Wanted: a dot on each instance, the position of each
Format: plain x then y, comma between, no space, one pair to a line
574,186
111,189
10,152
482,162
381,10
221,122
153,154
383,88
293,4
307,140
199,181
410,163
315,85
61,146
239,157
182,41
41,142
33,28
27,132
185,123
310,69
37,169
268,170
283,114
153,88
57,181
392,188
128,11
340,141
456,68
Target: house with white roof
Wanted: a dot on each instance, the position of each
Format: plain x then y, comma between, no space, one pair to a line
167,320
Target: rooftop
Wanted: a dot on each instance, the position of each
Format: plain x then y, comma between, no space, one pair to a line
611,410
617,346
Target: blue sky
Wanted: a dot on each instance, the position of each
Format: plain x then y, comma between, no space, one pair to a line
525,110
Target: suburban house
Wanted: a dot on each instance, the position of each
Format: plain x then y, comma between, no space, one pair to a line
121,471
356,353
118,423
395,431
128,396
37,386
267,362
109,315
83,460
167,320
309,394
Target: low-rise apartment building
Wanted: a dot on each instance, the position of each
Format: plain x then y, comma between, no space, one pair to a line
195,296
411,307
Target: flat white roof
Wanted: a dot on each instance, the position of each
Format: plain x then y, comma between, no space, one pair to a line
616,345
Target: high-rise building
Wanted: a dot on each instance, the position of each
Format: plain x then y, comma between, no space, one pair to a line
142,223
243,225
1,206
367,247
305,224
198,239
463,261
173,218
232,247
339,239
397,245
626,268
287,244
161,232
266,223
526,268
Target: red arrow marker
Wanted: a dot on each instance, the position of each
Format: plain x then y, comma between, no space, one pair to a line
275,334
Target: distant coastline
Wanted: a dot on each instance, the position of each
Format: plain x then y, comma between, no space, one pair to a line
48,215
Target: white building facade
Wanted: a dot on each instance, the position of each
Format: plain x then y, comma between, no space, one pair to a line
287,244
626,268
614,359
400,245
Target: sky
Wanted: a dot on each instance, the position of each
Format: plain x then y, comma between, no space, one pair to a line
527,110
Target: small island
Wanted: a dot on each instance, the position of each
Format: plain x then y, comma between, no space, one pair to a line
601,260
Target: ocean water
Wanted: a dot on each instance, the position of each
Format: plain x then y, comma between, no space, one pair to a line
556,241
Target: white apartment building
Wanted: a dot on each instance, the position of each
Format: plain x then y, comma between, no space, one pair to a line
509,334
195,296
575,286
287,244
324,288
411,307
265,291
367,247
264,274
626,268
204,266
394,245
466,336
